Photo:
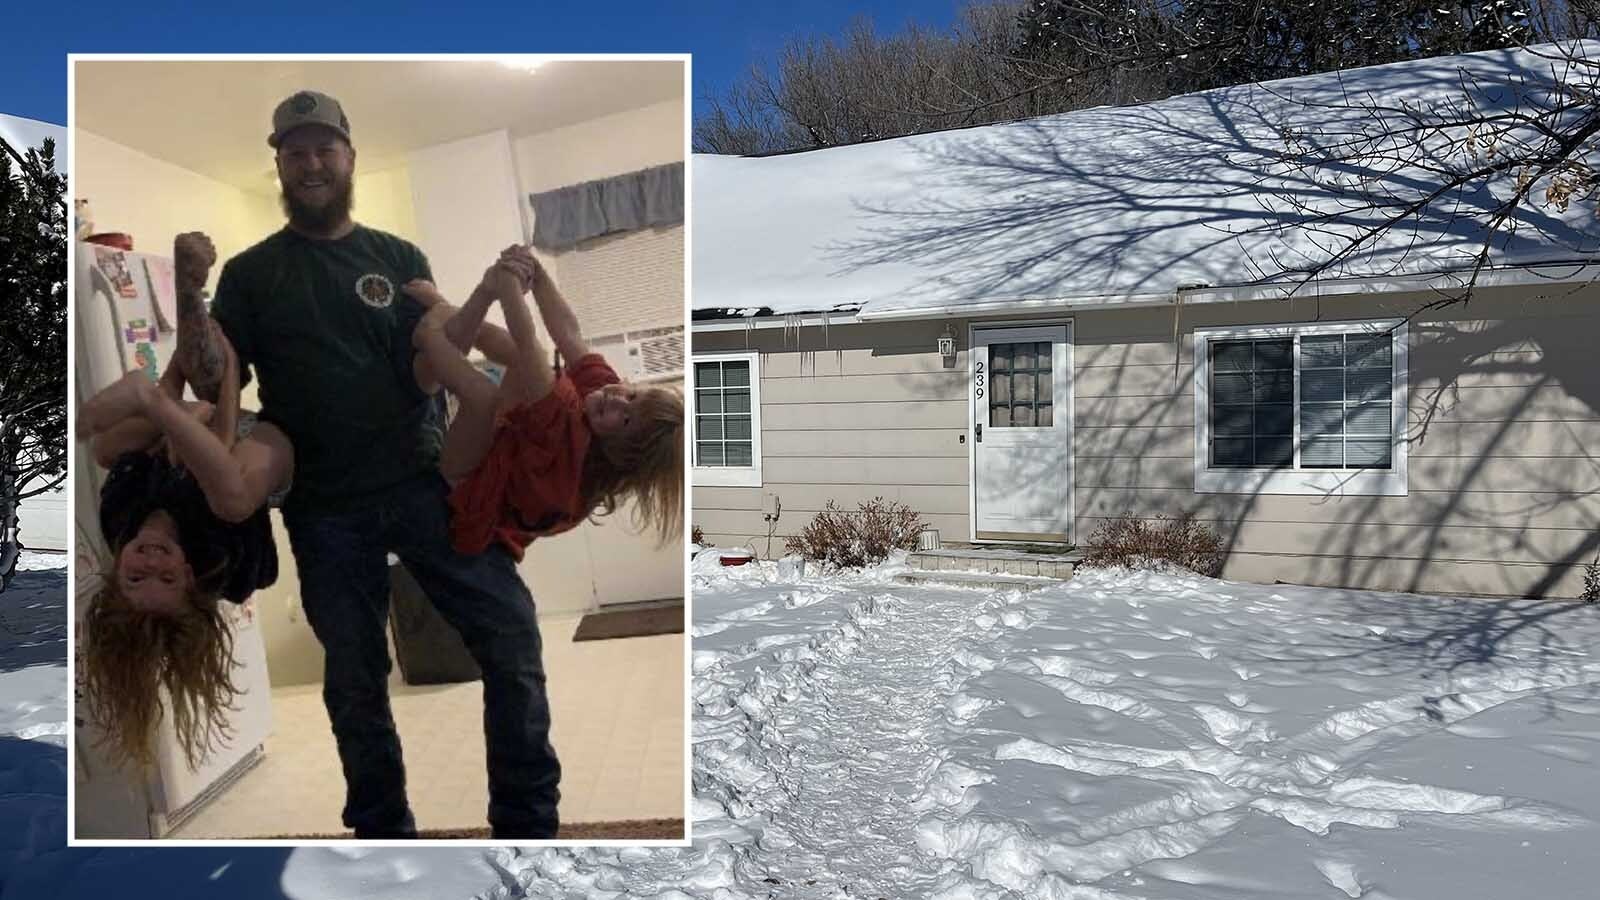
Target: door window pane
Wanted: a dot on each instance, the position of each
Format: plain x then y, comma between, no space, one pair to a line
1020,390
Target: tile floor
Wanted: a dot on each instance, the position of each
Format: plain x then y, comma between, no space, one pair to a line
618,713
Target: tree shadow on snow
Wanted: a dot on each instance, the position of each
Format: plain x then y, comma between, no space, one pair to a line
1400,634
33,621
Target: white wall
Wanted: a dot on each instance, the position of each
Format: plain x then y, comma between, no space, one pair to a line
464,194
610,145
383,201
155,201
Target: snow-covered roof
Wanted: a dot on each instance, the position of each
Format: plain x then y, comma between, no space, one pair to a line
1125,201
25,134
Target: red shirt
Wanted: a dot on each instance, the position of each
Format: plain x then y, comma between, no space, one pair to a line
531,482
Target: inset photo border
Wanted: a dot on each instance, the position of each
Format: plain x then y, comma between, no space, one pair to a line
312,504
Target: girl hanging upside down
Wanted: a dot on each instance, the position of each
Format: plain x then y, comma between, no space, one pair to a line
540,452
184,512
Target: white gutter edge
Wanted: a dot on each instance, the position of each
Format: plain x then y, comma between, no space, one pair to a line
802,320
1503,276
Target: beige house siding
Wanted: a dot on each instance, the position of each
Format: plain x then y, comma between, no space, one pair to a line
1504,440
1504,478
874,411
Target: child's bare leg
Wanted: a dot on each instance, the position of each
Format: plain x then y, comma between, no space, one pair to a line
265,459
471,432
463,323
137,433
230,495
121,400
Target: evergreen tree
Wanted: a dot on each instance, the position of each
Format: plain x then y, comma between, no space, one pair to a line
33,335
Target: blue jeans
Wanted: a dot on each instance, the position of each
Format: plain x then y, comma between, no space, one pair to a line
344,587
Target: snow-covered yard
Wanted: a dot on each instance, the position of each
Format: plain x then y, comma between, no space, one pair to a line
1124,735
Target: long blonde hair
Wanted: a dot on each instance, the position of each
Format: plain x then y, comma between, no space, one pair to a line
133,657
644,464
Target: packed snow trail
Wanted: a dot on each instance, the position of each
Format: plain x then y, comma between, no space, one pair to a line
852,746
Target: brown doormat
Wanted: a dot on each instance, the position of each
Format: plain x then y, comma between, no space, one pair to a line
634,621
624,830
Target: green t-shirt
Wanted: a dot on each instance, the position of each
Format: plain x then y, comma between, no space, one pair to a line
328,331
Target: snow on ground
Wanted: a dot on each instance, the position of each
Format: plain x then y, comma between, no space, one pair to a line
1124,735
33,711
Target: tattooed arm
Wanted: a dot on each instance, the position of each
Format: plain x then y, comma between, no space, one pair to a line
201,353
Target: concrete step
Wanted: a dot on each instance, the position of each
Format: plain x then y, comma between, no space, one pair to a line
985,580
997,561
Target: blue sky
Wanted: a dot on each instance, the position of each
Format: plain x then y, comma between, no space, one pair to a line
724,36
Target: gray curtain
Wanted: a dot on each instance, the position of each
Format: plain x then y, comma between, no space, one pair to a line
648,198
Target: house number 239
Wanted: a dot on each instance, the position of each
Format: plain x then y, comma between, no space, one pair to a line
977,380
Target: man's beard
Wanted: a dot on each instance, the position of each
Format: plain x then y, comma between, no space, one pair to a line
324,218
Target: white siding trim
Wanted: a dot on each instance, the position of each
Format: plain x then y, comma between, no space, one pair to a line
729,476
1387,483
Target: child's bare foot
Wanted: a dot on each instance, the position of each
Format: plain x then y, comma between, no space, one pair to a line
432,324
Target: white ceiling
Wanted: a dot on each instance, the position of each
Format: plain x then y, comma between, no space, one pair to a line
213,117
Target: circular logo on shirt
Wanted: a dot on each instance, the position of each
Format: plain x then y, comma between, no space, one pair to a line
375,291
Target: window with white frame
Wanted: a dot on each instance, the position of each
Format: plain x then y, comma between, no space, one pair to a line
1301,409
727,419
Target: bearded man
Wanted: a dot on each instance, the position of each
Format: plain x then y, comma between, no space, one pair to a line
316,311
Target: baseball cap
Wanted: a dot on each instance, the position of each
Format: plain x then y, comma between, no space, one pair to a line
307,108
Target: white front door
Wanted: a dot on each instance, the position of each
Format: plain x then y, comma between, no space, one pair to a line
1022,433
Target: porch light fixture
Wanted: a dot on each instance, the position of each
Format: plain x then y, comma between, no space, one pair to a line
947,342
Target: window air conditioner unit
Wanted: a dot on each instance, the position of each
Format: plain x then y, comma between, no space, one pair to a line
654,354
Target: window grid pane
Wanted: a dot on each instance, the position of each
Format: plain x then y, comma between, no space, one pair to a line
723,414
1252,403
1344,411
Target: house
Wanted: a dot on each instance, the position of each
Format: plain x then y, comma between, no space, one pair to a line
1024,330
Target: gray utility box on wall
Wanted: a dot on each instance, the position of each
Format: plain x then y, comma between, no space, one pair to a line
430,651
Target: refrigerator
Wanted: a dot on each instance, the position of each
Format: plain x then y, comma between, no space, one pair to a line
125,313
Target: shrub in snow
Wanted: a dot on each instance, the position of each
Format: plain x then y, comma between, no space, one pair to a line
696,536
860,538
1591,582
1136,543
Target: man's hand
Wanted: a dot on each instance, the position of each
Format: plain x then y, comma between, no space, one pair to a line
424,292
193,255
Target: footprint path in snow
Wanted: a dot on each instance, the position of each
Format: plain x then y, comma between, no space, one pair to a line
817,752
870,729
